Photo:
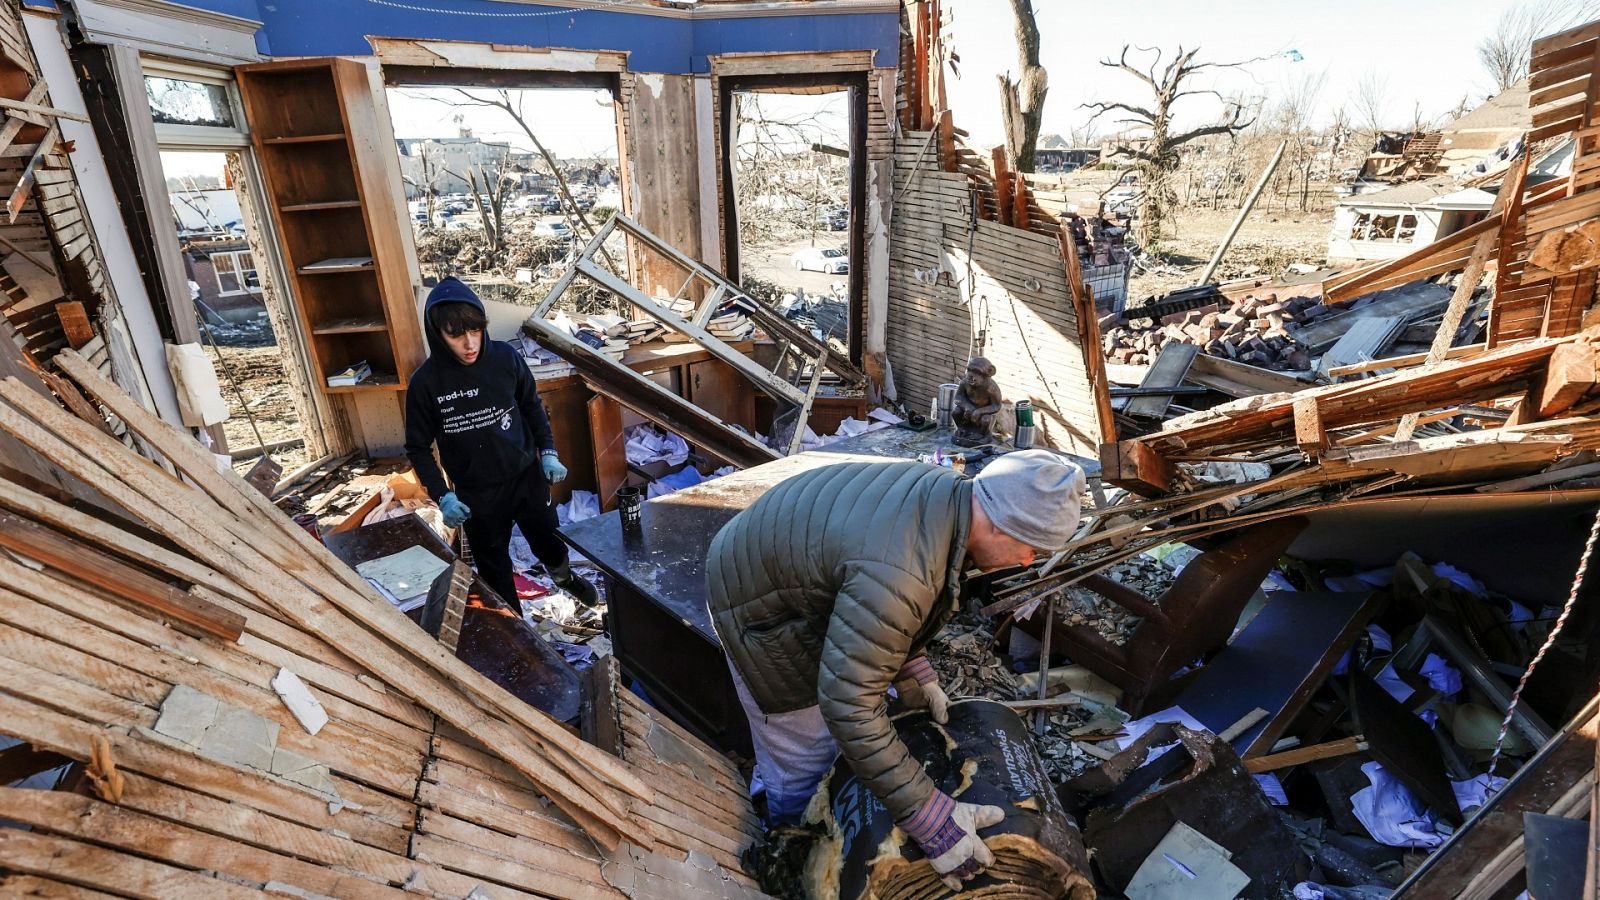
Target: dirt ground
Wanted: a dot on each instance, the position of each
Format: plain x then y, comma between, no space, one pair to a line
259,372
1267,243
1270,240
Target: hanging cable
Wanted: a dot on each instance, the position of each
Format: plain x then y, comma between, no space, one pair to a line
486,15
1549,641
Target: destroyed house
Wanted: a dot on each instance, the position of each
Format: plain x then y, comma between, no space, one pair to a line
1319,584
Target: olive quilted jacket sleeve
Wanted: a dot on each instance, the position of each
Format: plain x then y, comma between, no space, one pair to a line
875,620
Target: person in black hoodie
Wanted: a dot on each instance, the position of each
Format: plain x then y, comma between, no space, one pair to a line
476,400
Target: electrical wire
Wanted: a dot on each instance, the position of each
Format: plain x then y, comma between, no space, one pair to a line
488,15
1549,641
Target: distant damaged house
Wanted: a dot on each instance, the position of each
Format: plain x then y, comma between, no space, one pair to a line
1424,187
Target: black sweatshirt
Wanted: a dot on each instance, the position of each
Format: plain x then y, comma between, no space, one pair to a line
486,417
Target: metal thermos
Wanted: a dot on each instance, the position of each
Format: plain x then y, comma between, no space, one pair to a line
947,402
1024,438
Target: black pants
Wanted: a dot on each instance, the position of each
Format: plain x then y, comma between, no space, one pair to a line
524,502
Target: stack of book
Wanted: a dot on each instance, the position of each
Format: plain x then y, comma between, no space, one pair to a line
353,375
731,326
644,330
545,365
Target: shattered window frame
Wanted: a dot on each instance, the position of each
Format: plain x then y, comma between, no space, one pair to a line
1377,228
227,129
189,93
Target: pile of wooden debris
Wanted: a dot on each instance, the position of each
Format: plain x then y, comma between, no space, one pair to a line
242,712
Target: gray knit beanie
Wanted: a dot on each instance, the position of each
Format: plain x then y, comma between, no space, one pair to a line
1033,495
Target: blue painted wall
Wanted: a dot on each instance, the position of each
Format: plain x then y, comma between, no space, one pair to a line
655,43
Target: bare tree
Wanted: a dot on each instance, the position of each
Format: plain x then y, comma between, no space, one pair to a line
1293,117
1157,159
784,164
1338,139
1506,52
426,181
1370,102
1022,101
503,100
488,185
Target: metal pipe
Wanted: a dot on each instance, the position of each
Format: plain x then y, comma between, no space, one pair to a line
1249,203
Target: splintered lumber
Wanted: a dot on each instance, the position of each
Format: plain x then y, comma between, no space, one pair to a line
1573,371
446,798
579,760
573,781
1497,373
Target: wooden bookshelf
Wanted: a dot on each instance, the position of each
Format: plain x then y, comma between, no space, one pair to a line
316,131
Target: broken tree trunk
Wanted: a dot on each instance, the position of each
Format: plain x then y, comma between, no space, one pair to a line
1022,101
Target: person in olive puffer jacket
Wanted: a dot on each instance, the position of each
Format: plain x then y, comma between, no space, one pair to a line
824,593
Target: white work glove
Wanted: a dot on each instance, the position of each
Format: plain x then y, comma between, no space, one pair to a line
947,832
921,671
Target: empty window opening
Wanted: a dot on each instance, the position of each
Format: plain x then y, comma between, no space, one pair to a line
225,286
791,177
505,185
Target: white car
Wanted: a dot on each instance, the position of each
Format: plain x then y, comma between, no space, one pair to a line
1124,200
829,261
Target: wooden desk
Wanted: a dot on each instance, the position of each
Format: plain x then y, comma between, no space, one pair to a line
658,621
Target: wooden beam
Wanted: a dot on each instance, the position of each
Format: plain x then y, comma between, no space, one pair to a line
1309,434
24,189
1136,467
1302,755
14,125
41,109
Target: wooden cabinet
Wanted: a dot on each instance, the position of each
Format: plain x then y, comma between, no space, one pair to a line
318,136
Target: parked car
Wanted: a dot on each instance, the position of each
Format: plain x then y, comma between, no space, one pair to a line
1124,201
553,229
829,261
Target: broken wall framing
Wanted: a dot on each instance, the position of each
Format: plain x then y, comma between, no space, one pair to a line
960,286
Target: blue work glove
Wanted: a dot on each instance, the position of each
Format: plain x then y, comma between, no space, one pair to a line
455,512
554,471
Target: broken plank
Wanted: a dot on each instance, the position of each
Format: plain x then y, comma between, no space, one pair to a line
118,579
1301,755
